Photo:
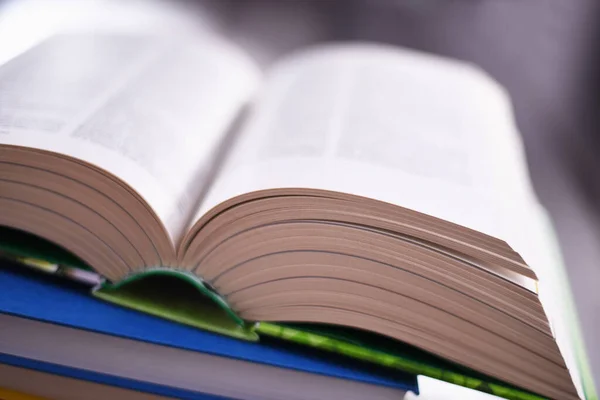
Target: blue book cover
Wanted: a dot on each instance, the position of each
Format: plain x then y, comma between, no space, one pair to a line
47,298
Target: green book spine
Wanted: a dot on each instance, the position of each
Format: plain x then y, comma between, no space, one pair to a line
406,364
178,296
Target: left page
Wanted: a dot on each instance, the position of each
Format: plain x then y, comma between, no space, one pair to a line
151,110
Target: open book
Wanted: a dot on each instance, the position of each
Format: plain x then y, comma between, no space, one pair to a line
356,185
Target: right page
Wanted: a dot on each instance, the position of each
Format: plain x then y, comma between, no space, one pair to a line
419,131
426,133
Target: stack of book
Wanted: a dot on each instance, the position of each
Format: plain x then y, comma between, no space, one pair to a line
352,218
56,327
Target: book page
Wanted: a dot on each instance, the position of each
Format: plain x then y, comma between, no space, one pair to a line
419,131
150,110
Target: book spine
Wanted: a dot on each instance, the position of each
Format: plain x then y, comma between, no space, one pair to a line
191,301
389,360
194,280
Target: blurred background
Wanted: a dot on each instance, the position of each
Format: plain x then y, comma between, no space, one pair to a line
545,52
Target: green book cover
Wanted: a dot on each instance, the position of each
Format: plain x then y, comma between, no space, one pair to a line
180,297
392,354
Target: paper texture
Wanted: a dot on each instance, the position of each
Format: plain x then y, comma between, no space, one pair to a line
418,131
431,135
150,110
